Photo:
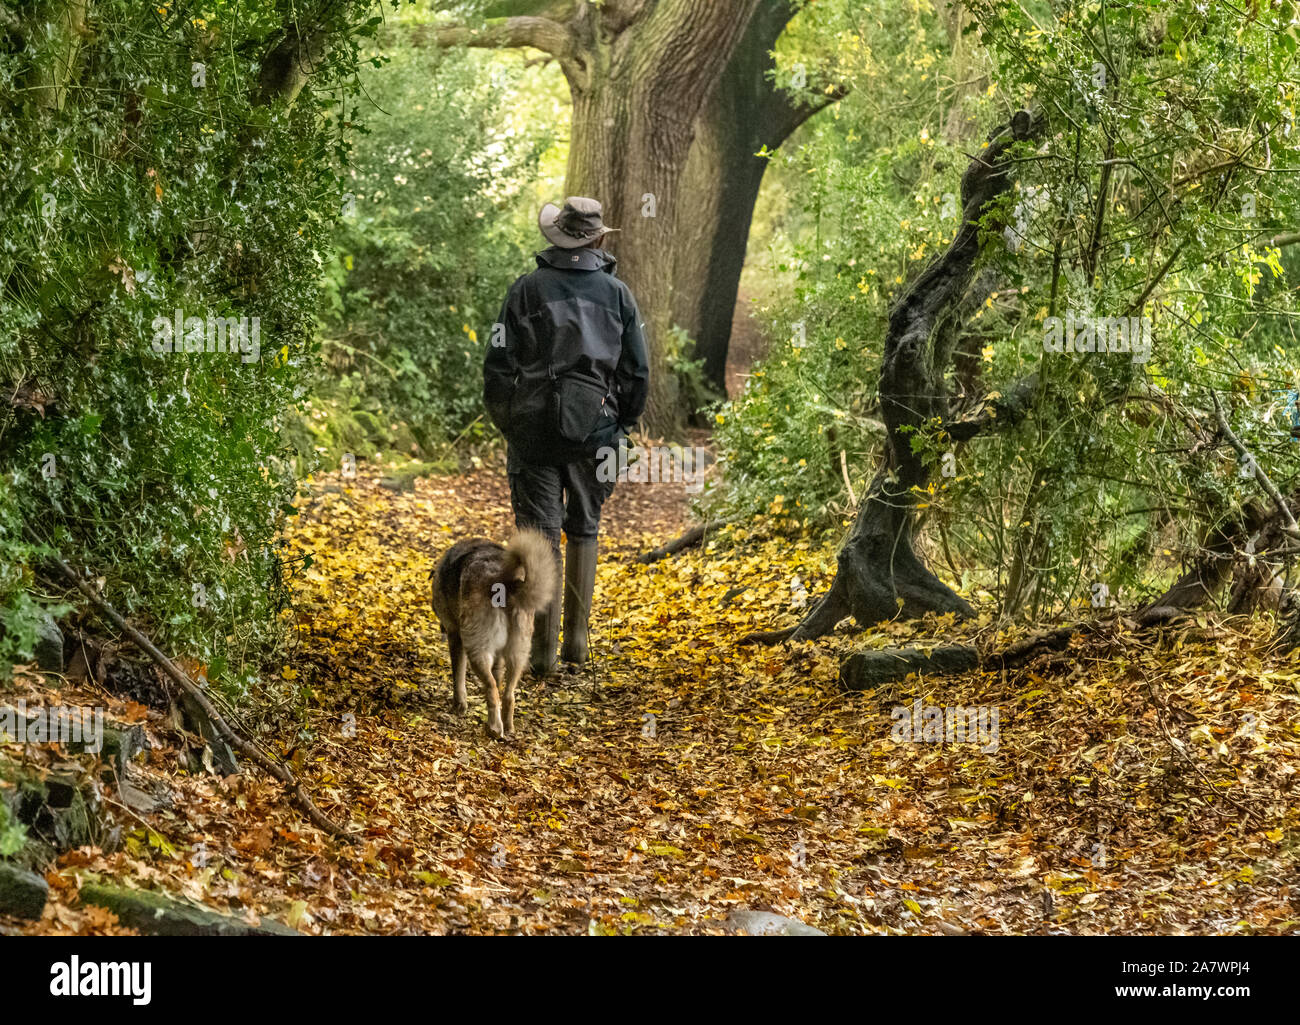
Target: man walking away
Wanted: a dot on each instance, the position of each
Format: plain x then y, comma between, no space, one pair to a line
566,376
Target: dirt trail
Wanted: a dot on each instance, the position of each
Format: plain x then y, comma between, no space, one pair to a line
747,344
682,777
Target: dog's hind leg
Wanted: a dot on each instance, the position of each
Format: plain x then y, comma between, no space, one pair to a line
483,670
515,667
501,670
516,656
460,703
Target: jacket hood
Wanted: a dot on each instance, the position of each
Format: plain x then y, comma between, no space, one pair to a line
577,259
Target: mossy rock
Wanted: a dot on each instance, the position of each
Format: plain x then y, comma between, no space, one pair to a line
58,811
22,893
157,914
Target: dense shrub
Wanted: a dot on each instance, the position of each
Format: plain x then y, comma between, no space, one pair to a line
150,167
443,193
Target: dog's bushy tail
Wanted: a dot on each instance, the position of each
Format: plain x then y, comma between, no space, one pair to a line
533,552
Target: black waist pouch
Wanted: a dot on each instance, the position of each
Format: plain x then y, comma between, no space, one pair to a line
580,406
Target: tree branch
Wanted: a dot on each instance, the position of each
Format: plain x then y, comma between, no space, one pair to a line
1261,477
249,748
786,113
501,34
289,64
1002,411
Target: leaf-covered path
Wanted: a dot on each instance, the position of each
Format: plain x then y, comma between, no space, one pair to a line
683,776
1132,789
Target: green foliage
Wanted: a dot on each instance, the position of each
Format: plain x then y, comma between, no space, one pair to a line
12,834
1150,197
19,613
144,175
860,196
1161,181
444,194
694,391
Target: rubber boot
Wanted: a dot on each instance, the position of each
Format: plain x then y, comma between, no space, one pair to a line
579,582
546,629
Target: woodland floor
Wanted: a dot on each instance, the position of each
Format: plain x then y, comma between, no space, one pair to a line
1128,793
747,346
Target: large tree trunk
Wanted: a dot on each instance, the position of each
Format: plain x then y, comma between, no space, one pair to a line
639,72
879,575
634,106
745,114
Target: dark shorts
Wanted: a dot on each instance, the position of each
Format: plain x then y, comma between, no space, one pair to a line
548,498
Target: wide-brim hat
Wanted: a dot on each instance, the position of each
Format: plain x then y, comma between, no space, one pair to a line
575,224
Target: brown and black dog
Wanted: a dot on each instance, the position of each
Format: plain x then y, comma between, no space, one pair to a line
485,597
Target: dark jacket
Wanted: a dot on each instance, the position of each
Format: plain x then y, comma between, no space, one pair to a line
566,370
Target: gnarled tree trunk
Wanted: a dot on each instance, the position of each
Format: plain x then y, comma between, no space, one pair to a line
879,575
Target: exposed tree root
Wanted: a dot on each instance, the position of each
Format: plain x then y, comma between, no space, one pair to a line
865,670
694,536
244,746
